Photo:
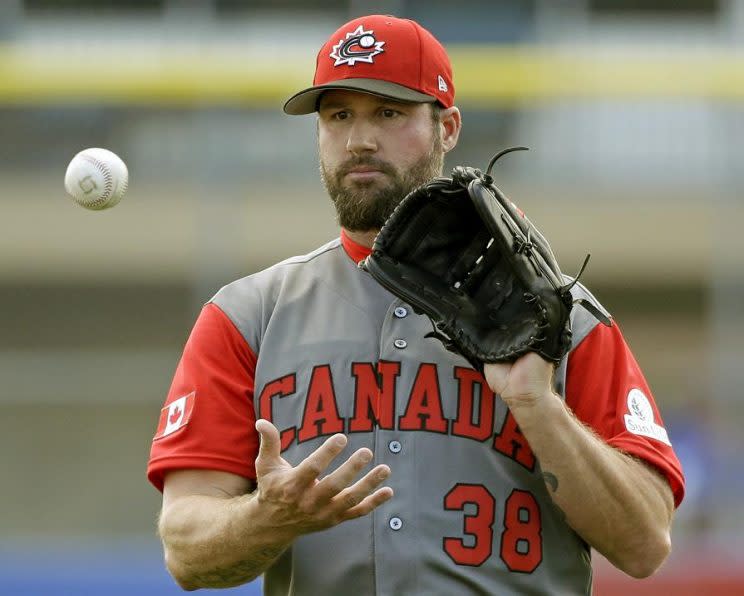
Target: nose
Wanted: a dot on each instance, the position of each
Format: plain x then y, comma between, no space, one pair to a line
362,138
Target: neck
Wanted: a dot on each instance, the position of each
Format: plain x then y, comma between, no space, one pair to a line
364,237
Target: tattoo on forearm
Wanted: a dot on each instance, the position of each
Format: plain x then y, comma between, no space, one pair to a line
551,480
244,571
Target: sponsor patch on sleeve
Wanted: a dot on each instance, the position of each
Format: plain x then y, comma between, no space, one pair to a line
175,415
640,418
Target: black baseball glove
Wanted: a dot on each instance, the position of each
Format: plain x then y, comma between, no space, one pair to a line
458,250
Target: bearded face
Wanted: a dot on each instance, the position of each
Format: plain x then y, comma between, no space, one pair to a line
365,204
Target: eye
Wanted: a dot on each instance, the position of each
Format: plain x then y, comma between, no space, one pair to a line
340,115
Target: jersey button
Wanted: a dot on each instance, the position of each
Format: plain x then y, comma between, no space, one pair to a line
400,312
395,446
396,523
400,343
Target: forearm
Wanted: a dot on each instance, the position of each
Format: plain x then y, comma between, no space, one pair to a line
618,505
212,542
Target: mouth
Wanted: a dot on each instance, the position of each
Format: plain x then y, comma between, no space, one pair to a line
362,173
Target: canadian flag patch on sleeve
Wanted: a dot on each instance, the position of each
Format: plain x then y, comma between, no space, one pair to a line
175,415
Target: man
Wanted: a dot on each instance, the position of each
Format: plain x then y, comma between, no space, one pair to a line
449,482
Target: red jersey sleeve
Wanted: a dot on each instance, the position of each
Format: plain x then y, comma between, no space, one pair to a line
607,391
208,418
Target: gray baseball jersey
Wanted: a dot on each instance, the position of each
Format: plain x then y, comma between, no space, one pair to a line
315,345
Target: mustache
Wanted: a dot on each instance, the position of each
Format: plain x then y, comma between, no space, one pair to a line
368,162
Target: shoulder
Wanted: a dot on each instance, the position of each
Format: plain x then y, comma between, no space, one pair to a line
249,301
263,283
317,255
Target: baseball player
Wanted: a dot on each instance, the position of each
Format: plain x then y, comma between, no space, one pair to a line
315,435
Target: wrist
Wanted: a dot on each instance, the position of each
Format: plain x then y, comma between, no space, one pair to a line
548,409
256,514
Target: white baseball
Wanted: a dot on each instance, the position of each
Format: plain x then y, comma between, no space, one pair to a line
96,178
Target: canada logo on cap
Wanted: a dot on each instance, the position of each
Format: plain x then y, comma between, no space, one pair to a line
358,46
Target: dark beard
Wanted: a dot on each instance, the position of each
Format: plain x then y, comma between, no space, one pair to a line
365,206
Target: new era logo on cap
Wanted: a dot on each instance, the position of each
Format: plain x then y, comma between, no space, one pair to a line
175,415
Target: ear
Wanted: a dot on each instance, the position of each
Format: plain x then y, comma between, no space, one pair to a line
451,124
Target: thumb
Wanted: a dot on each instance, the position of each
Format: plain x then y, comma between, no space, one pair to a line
497,375
269,450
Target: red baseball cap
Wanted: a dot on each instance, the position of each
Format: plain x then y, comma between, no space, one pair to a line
382,55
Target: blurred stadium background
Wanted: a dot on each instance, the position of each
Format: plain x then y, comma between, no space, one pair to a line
634,110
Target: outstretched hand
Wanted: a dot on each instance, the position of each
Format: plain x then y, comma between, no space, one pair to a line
296,500
522,383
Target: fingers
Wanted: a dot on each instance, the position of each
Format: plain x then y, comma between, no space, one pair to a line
359,498
341,478
369,503
334,497
316,463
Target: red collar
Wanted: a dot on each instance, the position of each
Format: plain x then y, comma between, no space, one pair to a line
356,251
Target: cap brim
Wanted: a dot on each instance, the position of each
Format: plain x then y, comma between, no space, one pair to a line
306,101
